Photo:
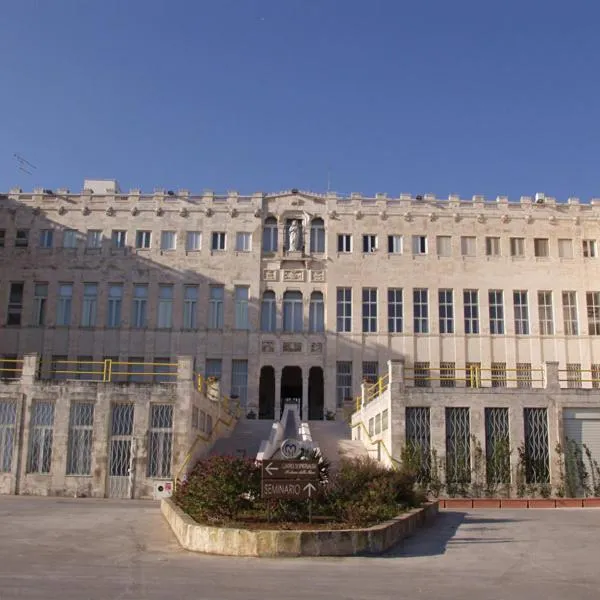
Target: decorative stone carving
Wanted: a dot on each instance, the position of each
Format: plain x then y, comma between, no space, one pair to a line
258,213
110,211
316,347
481,218
159,211
576,220
134,210
359,215
292,346
432,217
85,211
317,276
457,217
294,276
528,219
234,212
408,216
209,212
184,212
268,346
269,275
295,236
62,210
505,218
383,215
333,214
552,219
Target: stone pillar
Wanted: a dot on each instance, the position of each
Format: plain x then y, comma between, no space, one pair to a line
551,376
516,421
277,394
30,369
182,413
305,395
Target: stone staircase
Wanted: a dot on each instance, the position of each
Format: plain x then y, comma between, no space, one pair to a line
244,440
333,439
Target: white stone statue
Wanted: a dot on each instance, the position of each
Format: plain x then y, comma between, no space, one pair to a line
295,236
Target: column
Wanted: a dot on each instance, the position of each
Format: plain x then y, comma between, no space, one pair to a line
305,394
277,394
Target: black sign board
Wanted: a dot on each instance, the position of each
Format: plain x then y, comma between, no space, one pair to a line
290,469
288,488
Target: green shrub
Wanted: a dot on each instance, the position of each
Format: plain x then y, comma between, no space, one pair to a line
219,488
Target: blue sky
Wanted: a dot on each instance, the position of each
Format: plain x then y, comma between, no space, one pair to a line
371,95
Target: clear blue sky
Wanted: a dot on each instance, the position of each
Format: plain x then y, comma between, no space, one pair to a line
388,96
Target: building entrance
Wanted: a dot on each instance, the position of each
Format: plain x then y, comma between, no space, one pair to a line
266,393
291,387
316,394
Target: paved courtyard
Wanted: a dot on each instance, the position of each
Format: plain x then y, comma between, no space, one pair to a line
98,549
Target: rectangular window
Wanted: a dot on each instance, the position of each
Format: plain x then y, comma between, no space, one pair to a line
15,304
239,380
419,244
443,245
446,308
293,309
213,368
343,382
270,232
496,302
115,298
395,244
395,310
517,247
165,306
40,301
118,238
164,370
471,311
46,238
8,420
545,313
41,429
143,239
344,310
94,238
370,371
2,237
521,306
369,310
136,370
524,379
422,374
60,367
596,376
90,302
492,246
190,307
589,249
420,310
193,241
241,297
22,238
79,445
215,307
573,375
160,441
63,308
87,370
565,248
344,242
10,368
268,311
570,321
593,311
498,374
243,241
70,238
541,247
218,241
168,240
316,313
468,245
369,242
447,374
139,312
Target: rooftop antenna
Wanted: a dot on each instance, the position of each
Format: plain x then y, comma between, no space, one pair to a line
23,164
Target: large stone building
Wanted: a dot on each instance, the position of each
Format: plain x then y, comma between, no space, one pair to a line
467,292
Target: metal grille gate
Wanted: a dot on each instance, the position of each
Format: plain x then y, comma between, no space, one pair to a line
8,419
418,438
537,454
458,445
497,445
120,468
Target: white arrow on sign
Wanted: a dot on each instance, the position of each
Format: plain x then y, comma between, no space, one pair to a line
270,469
309,487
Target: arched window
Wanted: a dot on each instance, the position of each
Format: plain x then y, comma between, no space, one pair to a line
268,312
317,235
270,235
292,311
316,314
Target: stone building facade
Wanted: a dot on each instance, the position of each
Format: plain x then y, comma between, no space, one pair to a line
467,292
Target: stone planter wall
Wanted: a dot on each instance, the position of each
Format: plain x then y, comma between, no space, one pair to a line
271,543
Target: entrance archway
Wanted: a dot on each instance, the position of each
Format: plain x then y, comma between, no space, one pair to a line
316,395
291,387
266,393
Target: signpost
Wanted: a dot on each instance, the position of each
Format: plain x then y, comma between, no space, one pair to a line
290,479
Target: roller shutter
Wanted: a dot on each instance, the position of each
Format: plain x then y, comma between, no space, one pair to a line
583,426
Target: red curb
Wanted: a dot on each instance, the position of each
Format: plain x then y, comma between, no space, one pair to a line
569,503
458,503
591,502
486,502
514,503
542,503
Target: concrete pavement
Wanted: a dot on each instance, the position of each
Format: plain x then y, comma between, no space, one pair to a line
99,550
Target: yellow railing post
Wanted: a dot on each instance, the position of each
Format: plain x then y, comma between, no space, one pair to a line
107,370
380,382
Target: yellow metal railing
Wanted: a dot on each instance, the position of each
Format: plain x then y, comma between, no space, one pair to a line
474,376
380,443
11,368
576,377
376,389
108,370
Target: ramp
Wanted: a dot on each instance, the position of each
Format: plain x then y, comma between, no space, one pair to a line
245,439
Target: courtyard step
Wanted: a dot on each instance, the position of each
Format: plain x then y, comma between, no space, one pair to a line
245,439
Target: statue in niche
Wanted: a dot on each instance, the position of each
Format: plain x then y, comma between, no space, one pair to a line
294,235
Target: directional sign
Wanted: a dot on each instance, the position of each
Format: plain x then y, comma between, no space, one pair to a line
288,488
290,469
